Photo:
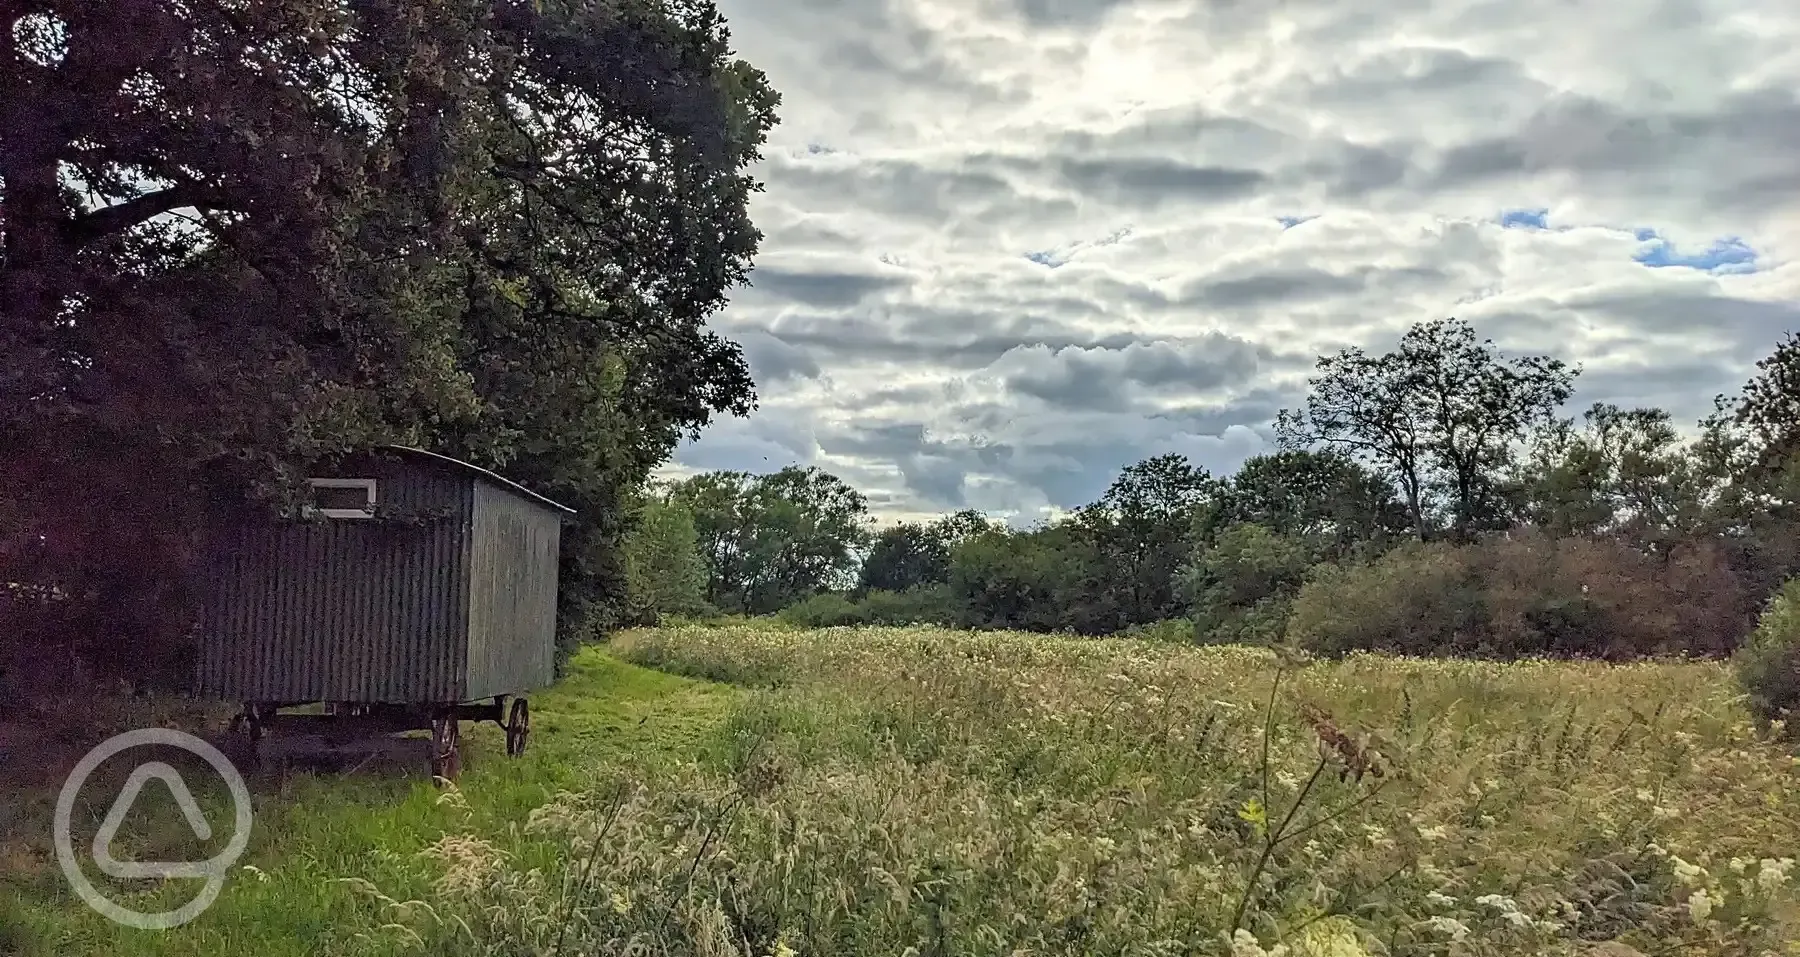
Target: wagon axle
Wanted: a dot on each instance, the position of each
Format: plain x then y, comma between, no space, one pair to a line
341,723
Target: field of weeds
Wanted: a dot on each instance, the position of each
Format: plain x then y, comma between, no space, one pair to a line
924,792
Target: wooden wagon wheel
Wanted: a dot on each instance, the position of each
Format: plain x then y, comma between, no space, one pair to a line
248,720
446,746
518,727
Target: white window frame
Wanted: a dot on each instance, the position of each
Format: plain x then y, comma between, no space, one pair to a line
366,484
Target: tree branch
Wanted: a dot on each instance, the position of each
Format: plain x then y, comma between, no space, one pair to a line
104,222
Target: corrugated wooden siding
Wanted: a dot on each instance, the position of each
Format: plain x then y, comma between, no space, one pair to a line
512,594
347,610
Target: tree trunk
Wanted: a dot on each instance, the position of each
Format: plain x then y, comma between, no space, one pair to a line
30,280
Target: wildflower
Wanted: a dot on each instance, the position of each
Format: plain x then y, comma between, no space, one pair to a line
1244,944
1700,905
1738,865
1436,832
1690,874
1505,905
1441,899
1771,874
783,950
1644,795
620,905
1450,927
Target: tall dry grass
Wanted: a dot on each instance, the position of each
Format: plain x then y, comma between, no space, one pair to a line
924,792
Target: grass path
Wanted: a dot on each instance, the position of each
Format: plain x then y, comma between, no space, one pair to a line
311,830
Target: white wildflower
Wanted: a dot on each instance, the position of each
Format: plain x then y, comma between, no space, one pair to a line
1700,905
1436,832
1771,874
1693,875
1244,944
1449,927
1499,903
1441,899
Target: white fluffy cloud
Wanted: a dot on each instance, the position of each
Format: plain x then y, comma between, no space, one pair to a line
1014,245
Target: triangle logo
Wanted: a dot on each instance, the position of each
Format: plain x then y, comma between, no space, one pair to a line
115,818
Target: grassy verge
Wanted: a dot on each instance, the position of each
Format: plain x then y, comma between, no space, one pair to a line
310,831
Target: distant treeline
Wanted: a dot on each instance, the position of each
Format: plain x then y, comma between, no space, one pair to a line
1426,500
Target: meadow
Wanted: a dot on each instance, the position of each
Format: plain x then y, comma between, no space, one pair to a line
754,790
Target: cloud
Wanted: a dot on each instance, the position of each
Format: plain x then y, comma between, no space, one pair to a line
820,284
1014,245
1112,379
773,361
1154,180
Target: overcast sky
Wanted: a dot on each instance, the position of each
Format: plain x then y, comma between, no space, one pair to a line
1014,245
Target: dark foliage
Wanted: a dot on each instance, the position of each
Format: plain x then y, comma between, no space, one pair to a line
241,237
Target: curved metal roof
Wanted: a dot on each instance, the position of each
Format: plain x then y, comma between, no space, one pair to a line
480,472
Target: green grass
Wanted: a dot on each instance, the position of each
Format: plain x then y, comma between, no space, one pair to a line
316,829
756,791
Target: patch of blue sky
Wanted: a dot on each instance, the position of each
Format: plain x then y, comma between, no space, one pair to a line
1728,254
1525,219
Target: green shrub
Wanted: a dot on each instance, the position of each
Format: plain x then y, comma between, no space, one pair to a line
1177,630
824,610
1417,599
1524,595
1768,666
920,605
1242,584
924,605
1264,623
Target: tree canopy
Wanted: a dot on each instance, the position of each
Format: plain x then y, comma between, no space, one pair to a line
1440,413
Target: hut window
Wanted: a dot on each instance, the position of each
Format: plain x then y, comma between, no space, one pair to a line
342,497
